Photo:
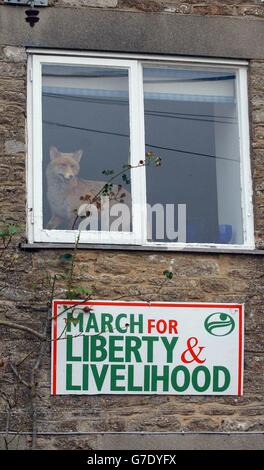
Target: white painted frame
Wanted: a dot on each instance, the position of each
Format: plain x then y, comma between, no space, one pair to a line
35,176
134,65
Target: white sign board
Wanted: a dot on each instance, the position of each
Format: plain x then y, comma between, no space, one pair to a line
140,348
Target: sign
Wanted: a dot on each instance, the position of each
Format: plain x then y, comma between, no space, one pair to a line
106,347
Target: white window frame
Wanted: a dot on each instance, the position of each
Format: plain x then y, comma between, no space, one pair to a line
134,65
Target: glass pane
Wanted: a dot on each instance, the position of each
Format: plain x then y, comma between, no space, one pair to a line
191,122
85,145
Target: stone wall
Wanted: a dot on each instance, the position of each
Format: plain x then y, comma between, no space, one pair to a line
24,287
196,7
253,8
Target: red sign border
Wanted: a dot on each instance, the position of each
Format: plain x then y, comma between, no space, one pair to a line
56,303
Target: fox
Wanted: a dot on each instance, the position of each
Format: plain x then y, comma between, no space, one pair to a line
66,190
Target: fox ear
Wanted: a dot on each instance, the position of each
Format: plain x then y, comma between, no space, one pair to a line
78,155
53,152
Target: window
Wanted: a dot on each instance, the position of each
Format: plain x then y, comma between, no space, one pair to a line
139,151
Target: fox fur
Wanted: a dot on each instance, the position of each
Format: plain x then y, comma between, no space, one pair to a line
66,190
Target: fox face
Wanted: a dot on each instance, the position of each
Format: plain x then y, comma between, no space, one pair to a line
66,191
65,166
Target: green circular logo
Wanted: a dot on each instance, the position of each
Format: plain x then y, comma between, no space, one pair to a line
219,324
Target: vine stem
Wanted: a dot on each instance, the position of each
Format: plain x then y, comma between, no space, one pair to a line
122,172
16,326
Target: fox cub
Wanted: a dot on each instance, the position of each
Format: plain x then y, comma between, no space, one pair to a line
66,191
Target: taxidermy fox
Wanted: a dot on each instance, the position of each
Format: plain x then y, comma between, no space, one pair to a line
66,191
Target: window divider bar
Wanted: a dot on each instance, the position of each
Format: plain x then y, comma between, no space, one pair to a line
137,154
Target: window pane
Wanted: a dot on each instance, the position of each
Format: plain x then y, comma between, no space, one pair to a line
85,143
191,122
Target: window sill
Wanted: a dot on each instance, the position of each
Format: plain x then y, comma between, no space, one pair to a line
84,246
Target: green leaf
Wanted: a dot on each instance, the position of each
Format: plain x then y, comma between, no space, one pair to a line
83,290
168,274
9,230
66,258
149,154
70,295
125,179
108,172
79,292
72,320
106,189
13,229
